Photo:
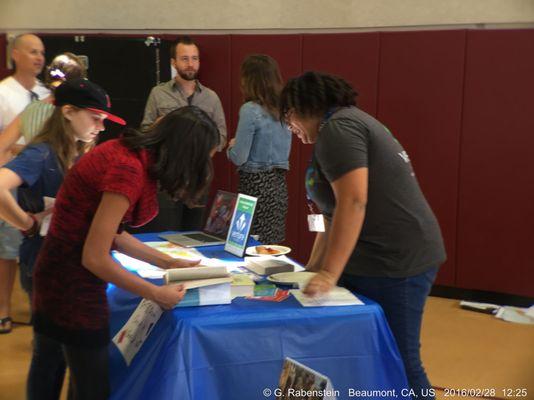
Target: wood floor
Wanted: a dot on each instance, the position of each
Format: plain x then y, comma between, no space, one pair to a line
461,350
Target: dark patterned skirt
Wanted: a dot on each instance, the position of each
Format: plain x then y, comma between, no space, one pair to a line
271,190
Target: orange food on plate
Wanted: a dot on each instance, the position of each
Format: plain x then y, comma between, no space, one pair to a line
266,250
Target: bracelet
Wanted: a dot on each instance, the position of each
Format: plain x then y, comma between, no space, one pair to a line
32,231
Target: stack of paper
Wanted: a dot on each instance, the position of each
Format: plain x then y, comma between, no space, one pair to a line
338,296
268,265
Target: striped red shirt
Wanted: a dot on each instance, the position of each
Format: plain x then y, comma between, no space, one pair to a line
70,302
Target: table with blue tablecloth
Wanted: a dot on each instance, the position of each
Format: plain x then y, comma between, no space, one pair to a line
236,351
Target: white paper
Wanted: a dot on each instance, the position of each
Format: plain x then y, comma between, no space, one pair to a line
207,295
48,202
133,334
298,267
144,269
338,296
316,223
151,274
176,251
515,314
45,225
231,266
217,294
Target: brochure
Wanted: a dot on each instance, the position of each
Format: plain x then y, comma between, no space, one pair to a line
133,334
298,381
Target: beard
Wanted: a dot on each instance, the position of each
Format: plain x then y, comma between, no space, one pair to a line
187,75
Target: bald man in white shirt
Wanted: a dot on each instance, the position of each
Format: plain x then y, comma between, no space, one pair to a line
16,92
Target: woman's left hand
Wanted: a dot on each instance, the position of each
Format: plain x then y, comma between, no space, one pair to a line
231,143
43,214
320,284
180,263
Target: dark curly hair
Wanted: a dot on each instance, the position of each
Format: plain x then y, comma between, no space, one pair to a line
181,143
314,93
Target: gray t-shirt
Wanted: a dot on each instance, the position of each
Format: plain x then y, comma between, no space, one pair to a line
400,236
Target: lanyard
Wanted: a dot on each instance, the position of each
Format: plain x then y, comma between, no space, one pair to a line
327,116
312,207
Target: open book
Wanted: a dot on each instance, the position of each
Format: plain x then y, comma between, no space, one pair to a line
198,274
205,285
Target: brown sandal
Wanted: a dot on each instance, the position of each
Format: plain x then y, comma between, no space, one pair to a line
5,321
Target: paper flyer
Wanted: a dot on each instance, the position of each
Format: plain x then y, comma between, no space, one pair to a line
133,334
338,296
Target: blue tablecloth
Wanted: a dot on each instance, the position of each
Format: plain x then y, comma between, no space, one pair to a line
236,351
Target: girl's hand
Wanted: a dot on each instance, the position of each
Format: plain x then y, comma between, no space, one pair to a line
43,214
180,263
168,296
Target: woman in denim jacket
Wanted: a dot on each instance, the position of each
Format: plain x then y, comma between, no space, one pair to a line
261,147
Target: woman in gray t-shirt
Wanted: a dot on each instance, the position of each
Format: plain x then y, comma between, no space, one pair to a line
382,239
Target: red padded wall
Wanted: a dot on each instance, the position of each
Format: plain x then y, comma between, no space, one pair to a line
215,74
420,100
286,50
354,57
496,208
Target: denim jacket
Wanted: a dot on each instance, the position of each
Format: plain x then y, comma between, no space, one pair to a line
262,142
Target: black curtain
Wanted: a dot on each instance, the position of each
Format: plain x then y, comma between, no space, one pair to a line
126,67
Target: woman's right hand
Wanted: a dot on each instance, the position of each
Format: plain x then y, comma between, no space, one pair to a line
167,296
312,267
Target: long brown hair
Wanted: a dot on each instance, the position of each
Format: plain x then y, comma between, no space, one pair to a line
181,143
56,134
261,82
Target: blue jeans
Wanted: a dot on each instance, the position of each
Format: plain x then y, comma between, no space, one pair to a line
47,369
403,301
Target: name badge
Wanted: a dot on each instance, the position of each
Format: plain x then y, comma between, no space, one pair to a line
316,223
